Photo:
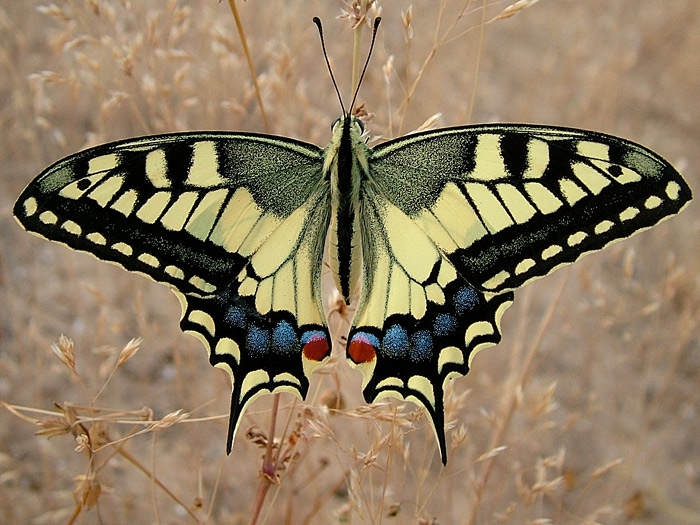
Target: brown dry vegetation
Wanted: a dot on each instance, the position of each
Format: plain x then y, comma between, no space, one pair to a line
586,413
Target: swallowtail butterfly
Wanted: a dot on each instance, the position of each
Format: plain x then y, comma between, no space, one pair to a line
433,230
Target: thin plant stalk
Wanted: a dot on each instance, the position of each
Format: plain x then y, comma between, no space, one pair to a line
249,59
477,62
269,465
356,38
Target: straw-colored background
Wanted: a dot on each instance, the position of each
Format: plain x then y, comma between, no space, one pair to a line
595,421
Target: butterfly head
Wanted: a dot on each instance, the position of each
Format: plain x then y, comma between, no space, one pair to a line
346,147
355,127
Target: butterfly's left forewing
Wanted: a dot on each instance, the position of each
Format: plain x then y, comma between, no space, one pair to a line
234,223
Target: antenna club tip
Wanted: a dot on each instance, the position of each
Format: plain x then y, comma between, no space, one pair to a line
316,20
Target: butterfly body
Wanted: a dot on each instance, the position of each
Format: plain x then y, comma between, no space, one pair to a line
431,232
345,165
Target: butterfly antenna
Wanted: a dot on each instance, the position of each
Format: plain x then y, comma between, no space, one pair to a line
317,21
369,55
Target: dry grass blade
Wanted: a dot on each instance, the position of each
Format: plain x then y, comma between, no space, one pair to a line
169,420
513,9
491,453
604,469
430,122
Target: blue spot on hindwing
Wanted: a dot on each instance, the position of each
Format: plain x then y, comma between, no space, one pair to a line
444,324
466,299
284,338
235,316
421,348
395,343
258,341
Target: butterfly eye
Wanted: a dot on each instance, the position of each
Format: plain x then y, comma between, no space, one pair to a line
335,123
361,124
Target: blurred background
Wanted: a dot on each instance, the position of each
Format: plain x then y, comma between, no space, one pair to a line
587,412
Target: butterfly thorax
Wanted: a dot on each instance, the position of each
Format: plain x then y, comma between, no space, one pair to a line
345,163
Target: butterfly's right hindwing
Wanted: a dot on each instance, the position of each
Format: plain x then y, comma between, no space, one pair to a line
231,222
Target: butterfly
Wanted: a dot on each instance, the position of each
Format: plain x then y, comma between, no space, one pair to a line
432,232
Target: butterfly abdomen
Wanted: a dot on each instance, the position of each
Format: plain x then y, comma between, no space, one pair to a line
346,175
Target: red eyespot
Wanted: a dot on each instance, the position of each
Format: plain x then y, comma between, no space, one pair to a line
316,346
361,350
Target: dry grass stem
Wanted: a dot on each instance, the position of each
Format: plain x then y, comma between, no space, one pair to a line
251,64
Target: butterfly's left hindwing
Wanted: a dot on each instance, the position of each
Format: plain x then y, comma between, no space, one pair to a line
234,223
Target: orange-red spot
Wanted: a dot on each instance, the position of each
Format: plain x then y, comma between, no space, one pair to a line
361,351
316,348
